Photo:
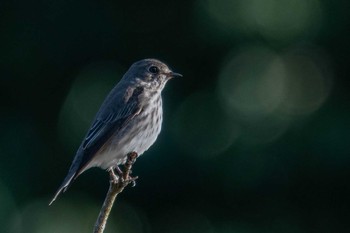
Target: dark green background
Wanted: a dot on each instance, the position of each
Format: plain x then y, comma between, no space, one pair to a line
273,158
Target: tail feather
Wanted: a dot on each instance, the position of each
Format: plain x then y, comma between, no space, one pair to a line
72,174
64,186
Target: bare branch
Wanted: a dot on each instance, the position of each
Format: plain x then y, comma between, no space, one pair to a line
117,185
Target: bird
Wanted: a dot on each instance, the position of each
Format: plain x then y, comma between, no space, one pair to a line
128,121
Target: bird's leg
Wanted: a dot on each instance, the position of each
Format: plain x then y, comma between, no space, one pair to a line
113,176
120,173
128,165
124,177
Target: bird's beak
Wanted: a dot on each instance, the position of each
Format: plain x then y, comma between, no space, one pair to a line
173,74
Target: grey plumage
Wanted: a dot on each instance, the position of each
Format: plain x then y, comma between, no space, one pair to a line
129,120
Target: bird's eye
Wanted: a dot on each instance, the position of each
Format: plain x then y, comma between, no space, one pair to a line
153,69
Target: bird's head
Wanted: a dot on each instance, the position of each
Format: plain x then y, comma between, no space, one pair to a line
151,74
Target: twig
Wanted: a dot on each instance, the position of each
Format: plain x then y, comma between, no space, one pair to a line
116,186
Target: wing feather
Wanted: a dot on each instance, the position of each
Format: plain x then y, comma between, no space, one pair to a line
109,123
115,113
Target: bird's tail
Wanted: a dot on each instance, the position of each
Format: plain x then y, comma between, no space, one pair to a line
64,186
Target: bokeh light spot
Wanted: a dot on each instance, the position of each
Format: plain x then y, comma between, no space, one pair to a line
251,87
66,216
201,126
308,83
273,19
252,82
77,215
265,90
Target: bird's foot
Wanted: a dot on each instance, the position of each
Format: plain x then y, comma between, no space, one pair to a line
124,177
113,177
132,180
120,174
128,165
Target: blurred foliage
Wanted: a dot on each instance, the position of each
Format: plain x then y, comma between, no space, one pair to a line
255,136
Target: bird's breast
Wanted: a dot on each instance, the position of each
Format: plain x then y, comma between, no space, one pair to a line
138,135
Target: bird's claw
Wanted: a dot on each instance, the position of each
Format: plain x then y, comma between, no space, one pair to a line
132,180
123,177
113,176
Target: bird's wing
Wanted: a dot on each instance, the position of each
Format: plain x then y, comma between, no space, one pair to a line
112,117
107,124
